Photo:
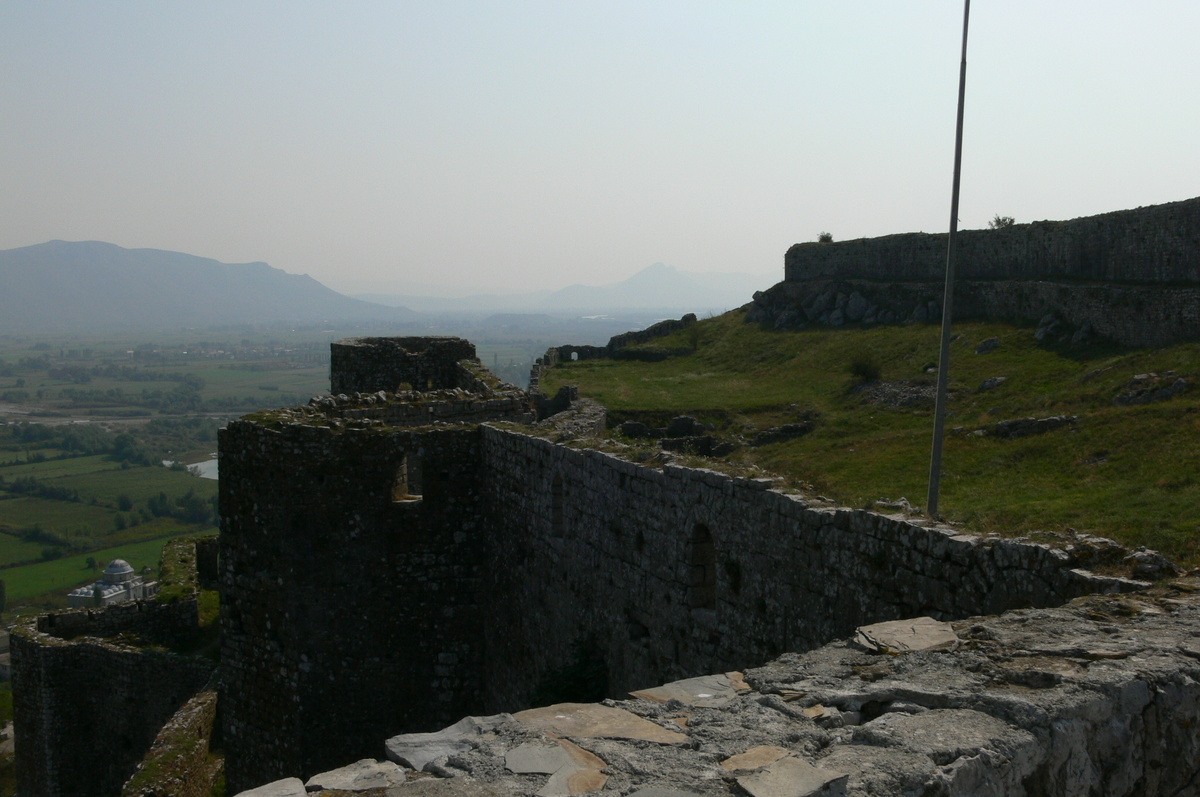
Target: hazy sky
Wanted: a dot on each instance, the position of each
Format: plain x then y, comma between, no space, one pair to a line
515,145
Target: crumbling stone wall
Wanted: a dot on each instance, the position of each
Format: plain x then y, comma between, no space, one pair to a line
423,363
152,621
1159,245
181,762
86,711
615,348
1132,276
92,687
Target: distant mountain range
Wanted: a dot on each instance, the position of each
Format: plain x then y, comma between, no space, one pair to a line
91,285
94,286
659,287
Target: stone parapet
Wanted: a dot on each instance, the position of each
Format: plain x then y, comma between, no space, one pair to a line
1098,697
679,571
1157,245
1132,277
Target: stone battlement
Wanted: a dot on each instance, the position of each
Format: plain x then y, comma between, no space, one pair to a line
1132,276
1156,245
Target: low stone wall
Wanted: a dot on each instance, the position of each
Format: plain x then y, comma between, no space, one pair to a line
410,408
163,623
474,377
614,349
652,332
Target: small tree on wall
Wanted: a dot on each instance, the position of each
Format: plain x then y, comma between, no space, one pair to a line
1000,222
825,238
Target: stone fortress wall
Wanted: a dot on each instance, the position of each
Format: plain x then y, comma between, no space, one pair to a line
1132,276
379,577
92,687
396,555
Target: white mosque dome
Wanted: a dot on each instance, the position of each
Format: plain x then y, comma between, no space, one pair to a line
118,570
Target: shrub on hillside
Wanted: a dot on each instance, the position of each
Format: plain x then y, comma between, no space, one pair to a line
865,368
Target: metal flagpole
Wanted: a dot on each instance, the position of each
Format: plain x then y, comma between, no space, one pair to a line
939,414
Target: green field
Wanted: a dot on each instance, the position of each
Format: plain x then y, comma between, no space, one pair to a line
1127,472
69,518
63,510
141,484
54,468
85,422
63,575
14,550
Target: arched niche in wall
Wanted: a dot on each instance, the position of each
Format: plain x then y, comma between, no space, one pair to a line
702,585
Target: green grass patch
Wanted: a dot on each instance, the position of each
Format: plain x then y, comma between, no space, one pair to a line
67,518
141,484
1127,472
54,468
13,550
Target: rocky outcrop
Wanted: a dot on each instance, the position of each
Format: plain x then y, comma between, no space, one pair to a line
1025,427
1151,388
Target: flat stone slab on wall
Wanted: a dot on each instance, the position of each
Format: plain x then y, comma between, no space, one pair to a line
1098,697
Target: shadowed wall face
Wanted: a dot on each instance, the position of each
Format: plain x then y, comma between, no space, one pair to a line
350,607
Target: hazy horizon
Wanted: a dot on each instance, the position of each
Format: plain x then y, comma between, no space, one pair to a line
508,147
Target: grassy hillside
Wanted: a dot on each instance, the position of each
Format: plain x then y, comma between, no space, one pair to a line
1128,472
